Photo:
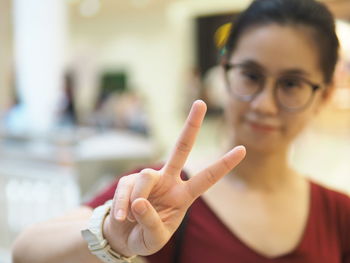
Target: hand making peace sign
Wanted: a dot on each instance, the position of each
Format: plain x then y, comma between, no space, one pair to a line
149,206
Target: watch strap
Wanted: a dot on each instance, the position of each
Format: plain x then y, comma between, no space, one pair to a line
97,244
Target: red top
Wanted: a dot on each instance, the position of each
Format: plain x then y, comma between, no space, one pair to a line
326,238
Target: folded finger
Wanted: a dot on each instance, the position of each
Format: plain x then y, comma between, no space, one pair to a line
121,198
144,183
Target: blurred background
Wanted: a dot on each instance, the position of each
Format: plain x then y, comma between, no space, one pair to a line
92,88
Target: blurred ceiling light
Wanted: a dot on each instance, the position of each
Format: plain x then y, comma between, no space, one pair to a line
139,3
89,8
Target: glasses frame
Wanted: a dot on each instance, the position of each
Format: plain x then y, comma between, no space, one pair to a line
248,98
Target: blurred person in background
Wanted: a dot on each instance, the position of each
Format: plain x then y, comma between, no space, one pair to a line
123,111
68,113
278,65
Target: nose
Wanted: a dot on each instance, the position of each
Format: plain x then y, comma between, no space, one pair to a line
264,102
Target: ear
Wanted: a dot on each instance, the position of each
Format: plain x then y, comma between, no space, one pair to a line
326,96
328,92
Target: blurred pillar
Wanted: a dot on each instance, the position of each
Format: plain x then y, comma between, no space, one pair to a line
6,55
39,41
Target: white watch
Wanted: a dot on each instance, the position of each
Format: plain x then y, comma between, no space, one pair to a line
97,244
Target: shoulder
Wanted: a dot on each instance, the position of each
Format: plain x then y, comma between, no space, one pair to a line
335,208
331,198
331,202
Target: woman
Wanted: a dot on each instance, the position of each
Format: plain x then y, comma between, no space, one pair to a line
278,62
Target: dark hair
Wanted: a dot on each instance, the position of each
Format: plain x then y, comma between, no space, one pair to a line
292,12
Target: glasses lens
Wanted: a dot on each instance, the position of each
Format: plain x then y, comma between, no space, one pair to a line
293,93
243,83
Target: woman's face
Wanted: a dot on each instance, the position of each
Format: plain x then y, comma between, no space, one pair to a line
275,50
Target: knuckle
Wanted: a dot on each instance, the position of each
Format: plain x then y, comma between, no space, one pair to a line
183,146
127,180
148,174
122,197
146,171
226,164
123,188
121,202
123,180
193,193
172,168
211,178
193,124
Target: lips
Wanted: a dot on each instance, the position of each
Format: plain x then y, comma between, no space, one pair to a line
262,127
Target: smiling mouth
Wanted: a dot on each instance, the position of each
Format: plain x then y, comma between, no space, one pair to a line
262,127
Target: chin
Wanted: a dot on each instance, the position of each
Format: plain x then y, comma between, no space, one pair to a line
264,148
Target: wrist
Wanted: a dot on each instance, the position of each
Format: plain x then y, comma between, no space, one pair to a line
97,243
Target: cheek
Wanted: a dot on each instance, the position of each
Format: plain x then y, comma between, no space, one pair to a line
294,125
234,112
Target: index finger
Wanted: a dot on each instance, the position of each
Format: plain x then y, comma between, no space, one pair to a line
206,178
186,139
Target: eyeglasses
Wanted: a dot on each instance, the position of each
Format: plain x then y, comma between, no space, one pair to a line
292,93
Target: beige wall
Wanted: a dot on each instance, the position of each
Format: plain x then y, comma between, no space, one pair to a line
154,43
156,46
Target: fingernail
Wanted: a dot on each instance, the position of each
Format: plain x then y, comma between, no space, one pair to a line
241,148
120,214
131,218
140,208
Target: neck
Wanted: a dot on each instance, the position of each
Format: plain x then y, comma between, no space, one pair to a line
263,171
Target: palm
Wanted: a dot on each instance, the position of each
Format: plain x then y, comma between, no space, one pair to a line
171,206
163,193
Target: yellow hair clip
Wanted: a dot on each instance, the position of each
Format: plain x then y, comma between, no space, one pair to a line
222,34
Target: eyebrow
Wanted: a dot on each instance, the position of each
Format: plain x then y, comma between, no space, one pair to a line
295,72
251,64
255,65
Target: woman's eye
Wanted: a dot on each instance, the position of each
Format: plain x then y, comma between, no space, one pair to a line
291,83
251,76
